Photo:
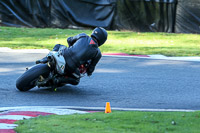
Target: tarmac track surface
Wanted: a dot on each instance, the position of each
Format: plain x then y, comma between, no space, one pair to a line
124,82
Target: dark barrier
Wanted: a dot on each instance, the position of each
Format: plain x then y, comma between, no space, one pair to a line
30,13
57,13
146,15
91,13
188,16
135,15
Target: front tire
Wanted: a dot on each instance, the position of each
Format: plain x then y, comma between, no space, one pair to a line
28,79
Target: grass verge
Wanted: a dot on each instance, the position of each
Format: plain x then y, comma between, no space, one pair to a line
115,122
168,44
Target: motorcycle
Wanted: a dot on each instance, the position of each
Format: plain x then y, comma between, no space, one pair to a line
44,74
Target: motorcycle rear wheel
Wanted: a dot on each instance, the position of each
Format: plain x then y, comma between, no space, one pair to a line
28,79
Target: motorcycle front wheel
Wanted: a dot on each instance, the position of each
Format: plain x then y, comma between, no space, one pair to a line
28,79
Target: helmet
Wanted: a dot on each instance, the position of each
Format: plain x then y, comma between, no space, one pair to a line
100,34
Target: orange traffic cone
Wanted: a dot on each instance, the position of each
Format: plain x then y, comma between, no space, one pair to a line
107,109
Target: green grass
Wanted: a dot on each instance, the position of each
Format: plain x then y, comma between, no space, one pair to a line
168,44
115,122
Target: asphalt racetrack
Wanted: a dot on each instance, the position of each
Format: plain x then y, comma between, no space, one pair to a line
124,82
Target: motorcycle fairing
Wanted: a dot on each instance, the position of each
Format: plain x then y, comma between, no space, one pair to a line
60,61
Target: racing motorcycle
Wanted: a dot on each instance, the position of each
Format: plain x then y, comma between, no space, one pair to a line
44,74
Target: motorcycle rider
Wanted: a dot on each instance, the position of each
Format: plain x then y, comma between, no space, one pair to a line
81,49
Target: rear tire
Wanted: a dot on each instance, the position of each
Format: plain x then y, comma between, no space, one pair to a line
28,79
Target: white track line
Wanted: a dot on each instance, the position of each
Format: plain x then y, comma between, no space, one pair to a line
7,50
62,110
159,57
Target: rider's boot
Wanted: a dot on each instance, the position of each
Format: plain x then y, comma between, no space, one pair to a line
66,80
44,60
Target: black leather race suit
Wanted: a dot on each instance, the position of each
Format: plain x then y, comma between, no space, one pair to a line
81,49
